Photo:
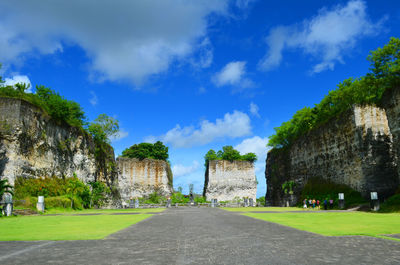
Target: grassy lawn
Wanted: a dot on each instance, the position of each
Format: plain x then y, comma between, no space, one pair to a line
262,209
103,211
337,223
64,227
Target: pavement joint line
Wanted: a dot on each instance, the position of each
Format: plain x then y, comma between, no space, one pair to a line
4,257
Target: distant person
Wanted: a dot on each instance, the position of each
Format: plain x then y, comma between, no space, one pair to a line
305,204
313,203
325,204
318,204
331,203
310,203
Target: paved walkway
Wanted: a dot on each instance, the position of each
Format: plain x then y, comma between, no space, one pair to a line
205,236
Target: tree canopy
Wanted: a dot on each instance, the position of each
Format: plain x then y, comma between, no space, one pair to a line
228,153
385,74
147,150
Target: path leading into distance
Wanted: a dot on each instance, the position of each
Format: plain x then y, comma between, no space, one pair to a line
205,236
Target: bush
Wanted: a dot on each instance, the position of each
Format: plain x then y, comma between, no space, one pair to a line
321,189
392,204
147,150
228,153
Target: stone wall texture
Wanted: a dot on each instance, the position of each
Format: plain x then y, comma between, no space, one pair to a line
230,180
391,103
34,145
139,178
355,149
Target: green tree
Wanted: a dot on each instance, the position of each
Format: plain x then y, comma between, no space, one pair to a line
103,128
147,150
228,153
76,189
385,64
5,187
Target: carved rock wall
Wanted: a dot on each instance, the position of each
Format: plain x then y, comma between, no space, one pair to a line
34,145
139,178
354,149
230,180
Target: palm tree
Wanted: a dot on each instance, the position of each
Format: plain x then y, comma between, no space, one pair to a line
5,187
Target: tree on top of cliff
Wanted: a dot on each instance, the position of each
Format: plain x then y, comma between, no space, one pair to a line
228,153
147,150
385,74
59,108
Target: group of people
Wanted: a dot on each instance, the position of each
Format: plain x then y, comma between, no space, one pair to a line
316,204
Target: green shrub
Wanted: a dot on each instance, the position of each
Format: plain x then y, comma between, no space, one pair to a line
147,150
392,204
228,153
321,189
57,202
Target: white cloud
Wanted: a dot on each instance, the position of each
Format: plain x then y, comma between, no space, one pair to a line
124,39
254,109
327,37
255,145
231,74
93,100
181,170
19,79
233,125
120,135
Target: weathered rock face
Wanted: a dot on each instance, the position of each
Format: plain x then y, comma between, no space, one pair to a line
139,178
391,103
354,149
34,145
230,180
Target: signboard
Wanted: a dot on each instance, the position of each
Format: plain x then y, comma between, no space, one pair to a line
341,196
374,195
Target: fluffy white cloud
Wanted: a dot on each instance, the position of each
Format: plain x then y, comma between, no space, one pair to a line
255,145
327,36
232,74
19,79
254,109
181,170
233,125
124,39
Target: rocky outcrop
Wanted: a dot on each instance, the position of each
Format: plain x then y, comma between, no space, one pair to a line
230,180
34,145
391,103
139,178
354,149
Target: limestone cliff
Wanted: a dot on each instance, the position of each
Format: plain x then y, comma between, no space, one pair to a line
139,178
230,180
354,149
34,145
391,103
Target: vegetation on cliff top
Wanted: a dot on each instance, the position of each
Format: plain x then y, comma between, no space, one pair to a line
228,153
147,150
384,74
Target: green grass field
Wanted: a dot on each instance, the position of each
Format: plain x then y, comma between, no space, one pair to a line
262,209
337,223
65,227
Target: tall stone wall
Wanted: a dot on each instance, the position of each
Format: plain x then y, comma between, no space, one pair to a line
139,178
391,103
34,145
230,180
354,149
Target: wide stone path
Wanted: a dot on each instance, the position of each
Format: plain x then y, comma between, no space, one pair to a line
205,236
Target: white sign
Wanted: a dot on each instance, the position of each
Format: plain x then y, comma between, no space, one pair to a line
341,196
374,195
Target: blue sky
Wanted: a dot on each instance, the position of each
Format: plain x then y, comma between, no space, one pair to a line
193,74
